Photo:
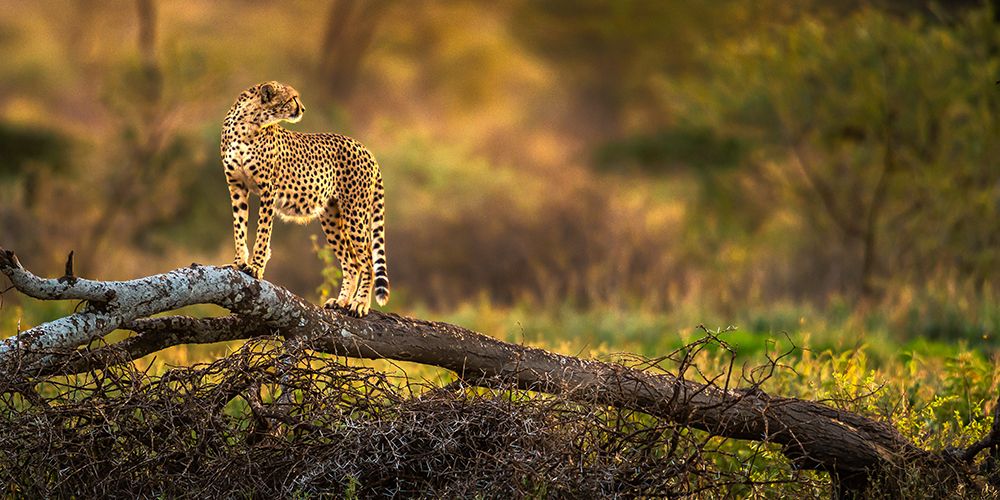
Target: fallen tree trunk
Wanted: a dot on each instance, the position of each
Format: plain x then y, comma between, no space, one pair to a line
849,446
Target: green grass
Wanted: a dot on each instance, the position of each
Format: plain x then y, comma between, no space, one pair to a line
655,333
932,386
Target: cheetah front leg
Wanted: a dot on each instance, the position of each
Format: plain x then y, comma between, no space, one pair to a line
262,243
240,197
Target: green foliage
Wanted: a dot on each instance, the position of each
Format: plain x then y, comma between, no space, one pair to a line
332,273
877,131
698,147
615,56
940,396
26,148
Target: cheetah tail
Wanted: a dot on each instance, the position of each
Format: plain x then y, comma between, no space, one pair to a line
378,244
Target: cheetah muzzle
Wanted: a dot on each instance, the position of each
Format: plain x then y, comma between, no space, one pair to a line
301,177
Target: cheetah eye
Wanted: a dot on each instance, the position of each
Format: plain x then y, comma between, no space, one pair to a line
266,93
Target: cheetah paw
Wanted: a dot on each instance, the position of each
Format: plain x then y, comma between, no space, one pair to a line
254,272
342,303
355,310
334,305
359,309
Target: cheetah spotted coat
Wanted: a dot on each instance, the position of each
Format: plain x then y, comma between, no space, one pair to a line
302,177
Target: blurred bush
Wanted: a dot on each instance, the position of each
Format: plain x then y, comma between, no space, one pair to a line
463,227
692,147
873,145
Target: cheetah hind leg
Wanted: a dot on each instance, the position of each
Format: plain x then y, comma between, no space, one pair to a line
331,222
364,273
348,284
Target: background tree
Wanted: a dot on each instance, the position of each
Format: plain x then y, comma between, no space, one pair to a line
894,165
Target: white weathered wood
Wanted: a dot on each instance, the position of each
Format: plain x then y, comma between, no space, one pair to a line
112,304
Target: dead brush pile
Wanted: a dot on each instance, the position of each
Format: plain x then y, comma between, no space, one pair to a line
224,429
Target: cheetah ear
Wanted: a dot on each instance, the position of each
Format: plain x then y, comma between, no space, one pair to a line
266,93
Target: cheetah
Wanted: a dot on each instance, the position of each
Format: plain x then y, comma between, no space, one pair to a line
303,177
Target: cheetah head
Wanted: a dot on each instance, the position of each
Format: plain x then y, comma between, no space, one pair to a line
272,102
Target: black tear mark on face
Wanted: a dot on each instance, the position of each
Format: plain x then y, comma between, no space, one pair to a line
266,93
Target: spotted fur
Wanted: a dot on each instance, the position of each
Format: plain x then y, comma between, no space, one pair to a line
302,177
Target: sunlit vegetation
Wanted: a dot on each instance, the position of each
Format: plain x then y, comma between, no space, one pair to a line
594,178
